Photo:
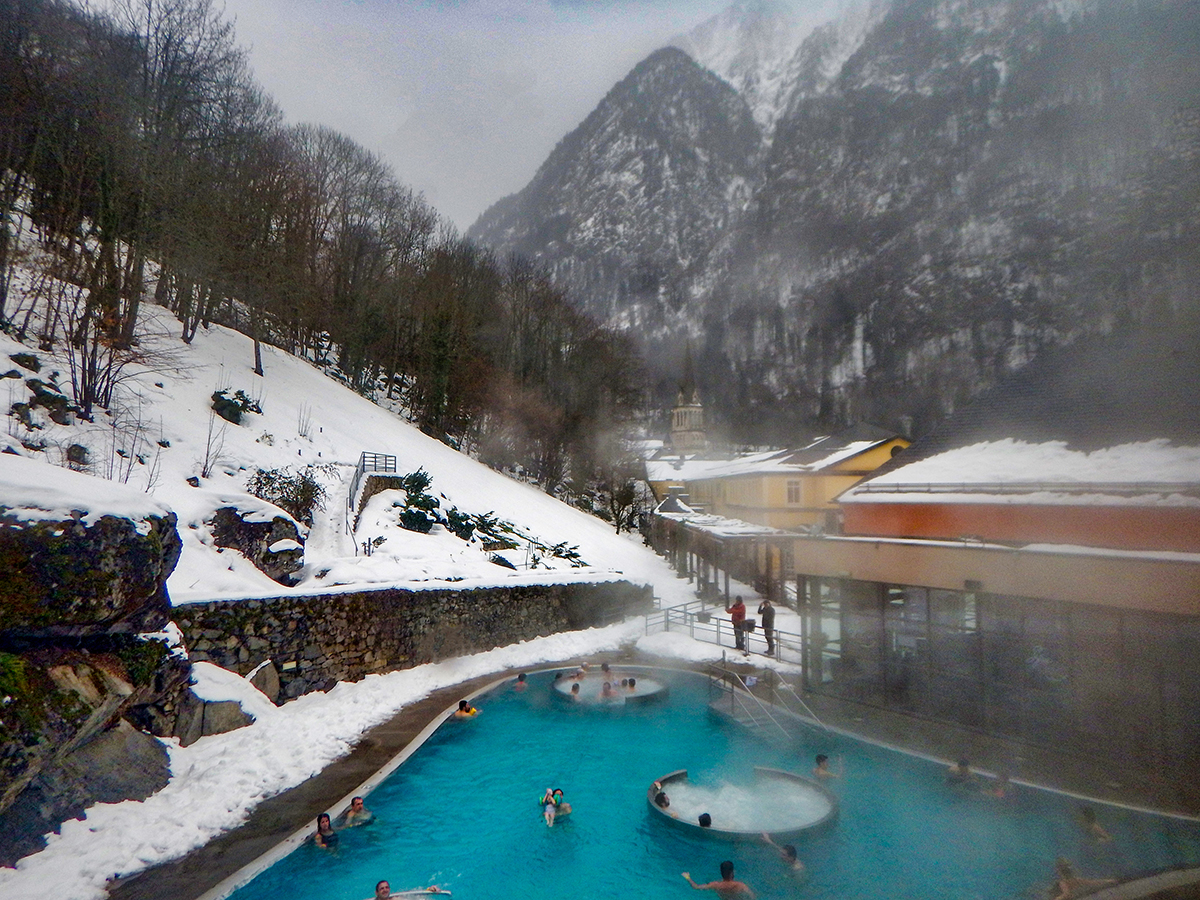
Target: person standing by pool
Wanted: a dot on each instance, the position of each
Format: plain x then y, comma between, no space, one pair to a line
737,616
727,888
766,613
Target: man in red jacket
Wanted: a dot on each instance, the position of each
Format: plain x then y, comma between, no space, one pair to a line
737,614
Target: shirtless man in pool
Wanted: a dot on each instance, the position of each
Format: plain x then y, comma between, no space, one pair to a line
728,888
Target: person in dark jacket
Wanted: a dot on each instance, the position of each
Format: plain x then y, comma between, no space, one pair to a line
766,613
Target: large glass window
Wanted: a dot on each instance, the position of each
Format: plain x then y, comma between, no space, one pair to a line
1074,676
955,642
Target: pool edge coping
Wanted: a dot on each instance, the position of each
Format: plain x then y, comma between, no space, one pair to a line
292,842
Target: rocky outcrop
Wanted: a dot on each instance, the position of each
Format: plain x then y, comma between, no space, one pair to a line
83,570
274,544
75,731
71,579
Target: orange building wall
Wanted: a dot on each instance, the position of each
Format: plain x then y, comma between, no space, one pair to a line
1125,528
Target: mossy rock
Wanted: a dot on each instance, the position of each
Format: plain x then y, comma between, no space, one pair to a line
67,579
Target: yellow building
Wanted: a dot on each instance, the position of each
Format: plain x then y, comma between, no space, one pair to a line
790,489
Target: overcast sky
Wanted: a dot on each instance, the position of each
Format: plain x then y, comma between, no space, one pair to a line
464,98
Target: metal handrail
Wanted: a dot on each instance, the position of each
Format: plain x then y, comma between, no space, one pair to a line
368,462
791,689
719,676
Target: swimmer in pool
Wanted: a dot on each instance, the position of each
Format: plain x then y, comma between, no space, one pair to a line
1091,827
632,685
1068,884
465,710
727,888
787,853
960,773
575,693
607,692
553,806
822,770
705,820
355,814
383,890
521,683
998,788
325,837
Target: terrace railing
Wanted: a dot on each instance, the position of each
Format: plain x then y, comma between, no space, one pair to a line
368,462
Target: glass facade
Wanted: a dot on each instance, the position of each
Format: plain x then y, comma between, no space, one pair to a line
1070,675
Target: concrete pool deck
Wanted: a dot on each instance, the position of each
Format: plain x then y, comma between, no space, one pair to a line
274,821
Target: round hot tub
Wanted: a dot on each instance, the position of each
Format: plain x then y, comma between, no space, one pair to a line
778,802
624,686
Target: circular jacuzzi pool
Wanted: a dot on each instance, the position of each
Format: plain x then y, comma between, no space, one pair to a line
774,801
623,686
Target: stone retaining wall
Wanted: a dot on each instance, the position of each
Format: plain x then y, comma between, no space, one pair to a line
315,642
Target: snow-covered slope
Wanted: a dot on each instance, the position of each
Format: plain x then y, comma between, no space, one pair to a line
161,432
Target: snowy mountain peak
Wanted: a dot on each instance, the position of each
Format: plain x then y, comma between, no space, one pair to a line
749,46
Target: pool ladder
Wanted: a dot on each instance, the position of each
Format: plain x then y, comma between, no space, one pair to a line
748,710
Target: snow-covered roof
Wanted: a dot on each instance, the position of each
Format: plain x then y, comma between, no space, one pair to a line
722,527
816,457
1155,473
681,468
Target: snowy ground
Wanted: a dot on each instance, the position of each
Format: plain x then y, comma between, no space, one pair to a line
159,435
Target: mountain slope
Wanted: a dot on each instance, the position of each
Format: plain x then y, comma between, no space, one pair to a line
949,187
634,196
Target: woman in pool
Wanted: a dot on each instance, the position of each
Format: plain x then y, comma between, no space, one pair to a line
325,837
553,806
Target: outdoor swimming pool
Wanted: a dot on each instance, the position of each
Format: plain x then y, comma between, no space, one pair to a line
463,813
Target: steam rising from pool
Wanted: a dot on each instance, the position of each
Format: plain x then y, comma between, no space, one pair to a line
766,804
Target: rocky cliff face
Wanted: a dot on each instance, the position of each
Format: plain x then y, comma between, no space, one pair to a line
79,688
947,187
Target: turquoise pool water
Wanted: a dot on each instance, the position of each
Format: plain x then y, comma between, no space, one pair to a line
463,813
